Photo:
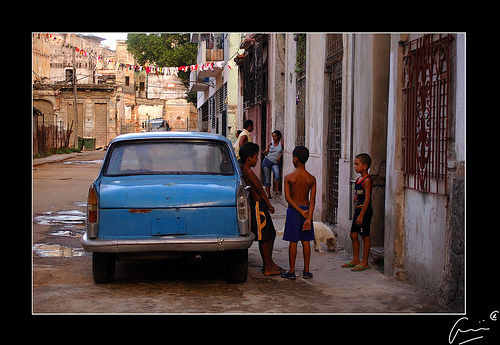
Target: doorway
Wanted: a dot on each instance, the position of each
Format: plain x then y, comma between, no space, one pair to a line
333,65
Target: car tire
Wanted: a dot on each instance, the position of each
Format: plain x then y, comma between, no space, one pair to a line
237,266
103,267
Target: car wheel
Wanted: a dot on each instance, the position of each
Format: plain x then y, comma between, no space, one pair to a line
237,266
103,267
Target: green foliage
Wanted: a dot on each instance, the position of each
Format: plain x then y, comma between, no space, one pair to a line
163,50
60,150
300,64
192,97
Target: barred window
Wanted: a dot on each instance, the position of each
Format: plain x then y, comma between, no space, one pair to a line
211,111
204,117
426,69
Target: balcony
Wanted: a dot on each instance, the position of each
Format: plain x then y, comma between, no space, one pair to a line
214,49
210,72
210,50
198,86
196,83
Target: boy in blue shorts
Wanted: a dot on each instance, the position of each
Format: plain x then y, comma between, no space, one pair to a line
299,186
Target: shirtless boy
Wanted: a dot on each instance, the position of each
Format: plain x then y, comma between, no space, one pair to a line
300,185
262,224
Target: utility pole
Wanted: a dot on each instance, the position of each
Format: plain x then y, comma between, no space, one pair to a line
74,100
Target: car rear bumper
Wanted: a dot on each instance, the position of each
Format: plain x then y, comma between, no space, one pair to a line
167,243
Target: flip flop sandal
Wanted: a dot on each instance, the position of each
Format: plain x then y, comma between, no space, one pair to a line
348,265
288,275
360,268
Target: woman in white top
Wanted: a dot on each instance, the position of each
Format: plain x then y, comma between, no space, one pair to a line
273,154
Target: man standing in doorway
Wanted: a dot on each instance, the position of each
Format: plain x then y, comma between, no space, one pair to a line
244,137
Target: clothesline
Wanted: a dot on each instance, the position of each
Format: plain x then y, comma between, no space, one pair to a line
174,70
157,70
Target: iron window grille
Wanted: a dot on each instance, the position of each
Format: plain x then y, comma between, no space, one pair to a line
254,72
211,111
333,65
425,92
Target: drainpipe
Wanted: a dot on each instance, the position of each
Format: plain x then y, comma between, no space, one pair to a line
351,153
74,100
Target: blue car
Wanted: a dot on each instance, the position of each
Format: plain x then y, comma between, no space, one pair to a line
168,194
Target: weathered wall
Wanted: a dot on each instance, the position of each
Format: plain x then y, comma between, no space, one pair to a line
277,79
424,232
316,121
394,239
290,108
366,112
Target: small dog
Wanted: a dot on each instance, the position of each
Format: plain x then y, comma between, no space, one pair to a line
322,233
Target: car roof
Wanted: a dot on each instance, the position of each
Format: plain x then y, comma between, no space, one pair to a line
169,135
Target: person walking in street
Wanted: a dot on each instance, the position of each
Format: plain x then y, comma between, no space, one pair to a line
273,154
363,213
260,207
300,193
244,137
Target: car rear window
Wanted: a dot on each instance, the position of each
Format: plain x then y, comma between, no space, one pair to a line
169,157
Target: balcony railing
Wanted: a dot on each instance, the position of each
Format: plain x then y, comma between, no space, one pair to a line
214,49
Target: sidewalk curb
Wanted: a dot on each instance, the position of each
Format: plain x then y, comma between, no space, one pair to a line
59,157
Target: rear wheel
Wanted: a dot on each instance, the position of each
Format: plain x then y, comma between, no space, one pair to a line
103,267
237,266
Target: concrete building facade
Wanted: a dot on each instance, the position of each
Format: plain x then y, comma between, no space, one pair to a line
96,95
113,97
399,98
261,92
216,87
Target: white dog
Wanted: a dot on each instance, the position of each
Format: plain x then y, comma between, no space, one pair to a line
323,233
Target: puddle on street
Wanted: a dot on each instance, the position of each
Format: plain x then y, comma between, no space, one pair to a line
66,232
97,161
69,217
56,250
66,223
69,223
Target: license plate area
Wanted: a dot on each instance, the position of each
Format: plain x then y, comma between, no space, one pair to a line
167,225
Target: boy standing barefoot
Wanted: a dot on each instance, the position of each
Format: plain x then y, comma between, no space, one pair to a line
260,207
299,186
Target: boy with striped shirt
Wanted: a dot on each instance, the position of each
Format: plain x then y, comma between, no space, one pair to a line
363,213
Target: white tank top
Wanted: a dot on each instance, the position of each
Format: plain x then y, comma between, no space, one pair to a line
274,152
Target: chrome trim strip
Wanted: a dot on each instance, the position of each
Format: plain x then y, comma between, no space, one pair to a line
167,243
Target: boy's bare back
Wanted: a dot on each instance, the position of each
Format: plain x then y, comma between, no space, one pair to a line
300,183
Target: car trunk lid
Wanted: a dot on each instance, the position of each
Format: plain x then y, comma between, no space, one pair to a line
167,191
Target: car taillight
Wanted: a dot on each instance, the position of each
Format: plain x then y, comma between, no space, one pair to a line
92,205
243,210
242,204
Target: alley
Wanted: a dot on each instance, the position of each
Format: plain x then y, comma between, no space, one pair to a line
397,96
62,271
